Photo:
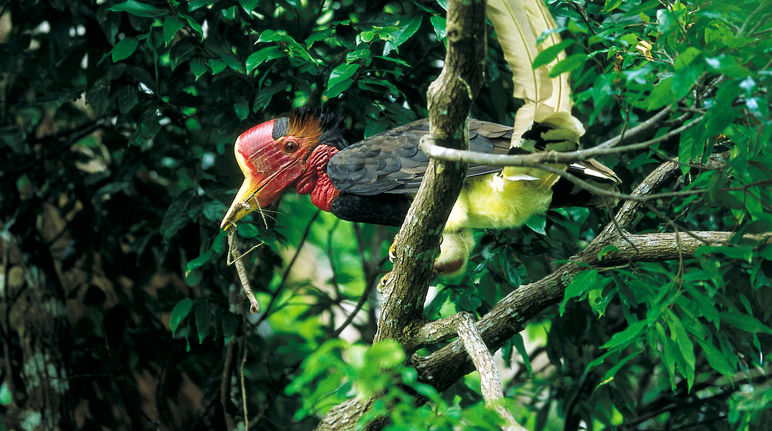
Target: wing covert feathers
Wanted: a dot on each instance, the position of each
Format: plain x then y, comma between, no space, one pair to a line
391,162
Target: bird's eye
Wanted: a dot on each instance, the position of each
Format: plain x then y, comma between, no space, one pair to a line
291,145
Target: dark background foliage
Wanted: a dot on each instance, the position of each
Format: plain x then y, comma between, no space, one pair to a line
116,133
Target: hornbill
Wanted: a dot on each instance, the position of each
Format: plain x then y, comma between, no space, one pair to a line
375,180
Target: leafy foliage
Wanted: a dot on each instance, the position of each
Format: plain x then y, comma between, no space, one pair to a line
116,129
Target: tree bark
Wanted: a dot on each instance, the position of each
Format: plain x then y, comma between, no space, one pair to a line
450,98
38,319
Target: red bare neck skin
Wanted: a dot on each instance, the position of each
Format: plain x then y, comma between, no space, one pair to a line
315,180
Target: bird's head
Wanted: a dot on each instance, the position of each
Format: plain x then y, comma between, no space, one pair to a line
274,154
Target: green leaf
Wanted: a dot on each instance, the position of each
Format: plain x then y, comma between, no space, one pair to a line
684,343
269,36
242,109
537,223
626,337
745,322
340,80
551,53
715,358
198,67
519,344
194,25
667,356
611,5
201,316
686,58
684,80
248,5
178,214
661,95
568,64
136,8
665,21
124,48
690,147
405,32
257,58
217,65
385,354
247,230
367,36
359,54
5,397
198,262
440,26
290,46
606,250
578,286
172,25
609,376
179,313
197,4
599,360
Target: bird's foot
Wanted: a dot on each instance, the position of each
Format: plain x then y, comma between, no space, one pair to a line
383,281
392,252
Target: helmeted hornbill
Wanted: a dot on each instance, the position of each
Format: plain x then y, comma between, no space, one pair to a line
374,181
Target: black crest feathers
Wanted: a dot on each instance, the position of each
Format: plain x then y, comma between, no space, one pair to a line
302,118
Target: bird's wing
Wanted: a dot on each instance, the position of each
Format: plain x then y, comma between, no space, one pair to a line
391,162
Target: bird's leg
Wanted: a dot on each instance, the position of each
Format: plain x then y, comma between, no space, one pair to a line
455,248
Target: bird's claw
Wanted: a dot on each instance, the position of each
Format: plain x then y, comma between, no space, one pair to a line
392,252
383,281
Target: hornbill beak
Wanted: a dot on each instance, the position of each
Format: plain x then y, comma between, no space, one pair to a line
245,201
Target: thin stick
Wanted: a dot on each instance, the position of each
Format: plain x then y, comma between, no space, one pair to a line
243,385
233,250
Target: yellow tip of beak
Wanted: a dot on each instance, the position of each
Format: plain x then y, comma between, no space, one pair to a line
240,206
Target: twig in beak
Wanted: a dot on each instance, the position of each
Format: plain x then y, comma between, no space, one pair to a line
233,250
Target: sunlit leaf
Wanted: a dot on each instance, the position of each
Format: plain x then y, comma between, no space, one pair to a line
340,79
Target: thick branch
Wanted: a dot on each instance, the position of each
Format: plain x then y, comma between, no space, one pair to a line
510,315
449,100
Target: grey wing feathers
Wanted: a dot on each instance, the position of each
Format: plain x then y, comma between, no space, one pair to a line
391,162
382,163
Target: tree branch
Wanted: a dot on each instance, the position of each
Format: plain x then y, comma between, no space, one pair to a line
449,100
538,160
